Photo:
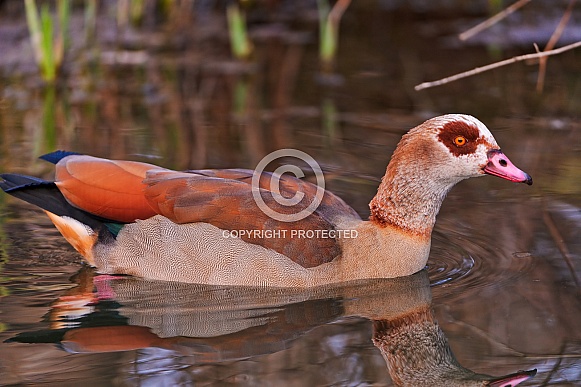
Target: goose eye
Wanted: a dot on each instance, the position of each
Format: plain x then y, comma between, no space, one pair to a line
460,141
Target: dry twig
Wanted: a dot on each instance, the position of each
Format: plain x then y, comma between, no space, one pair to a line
495,65
552,41
558,239
492,20
337,12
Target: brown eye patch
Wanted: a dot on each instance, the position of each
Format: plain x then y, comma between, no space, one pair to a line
460,137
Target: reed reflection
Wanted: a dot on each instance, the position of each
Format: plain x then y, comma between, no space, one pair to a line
217,326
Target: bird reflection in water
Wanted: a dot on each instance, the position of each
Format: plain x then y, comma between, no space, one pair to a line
217,324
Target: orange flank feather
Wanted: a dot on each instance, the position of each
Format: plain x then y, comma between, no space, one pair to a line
111,189
81,237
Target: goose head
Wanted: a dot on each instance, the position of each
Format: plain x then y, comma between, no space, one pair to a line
454,147
428,161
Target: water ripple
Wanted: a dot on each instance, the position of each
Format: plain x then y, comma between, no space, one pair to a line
469,261
450,269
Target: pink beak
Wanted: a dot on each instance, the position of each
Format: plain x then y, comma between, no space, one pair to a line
513,379
499,165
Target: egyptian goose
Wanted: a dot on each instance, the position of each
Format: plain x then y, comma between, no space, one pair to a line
133,218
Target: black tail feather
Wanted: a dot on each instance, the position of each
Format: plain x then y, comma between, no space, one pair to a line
14,181
56,156
47,196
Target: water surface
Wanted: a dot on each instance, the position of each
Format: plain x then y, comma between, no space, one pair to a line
506,258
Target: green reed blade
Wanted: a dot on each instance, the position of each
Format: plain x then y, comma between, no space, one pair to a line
239,41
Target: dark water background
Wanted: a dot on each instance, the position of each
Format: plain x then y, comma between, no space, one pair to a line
506,258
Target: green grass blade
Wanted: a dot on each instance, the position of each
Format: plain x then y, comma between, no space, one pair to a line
48,67
137,11
90,21
64,17
239,41
324,9
33,28
328,43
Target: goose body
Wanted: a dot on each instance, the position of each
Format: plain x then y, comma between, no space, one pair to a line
205,226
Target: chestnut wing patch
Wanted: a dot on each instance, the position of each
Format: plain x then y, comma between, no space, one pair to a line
224,199
332,207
